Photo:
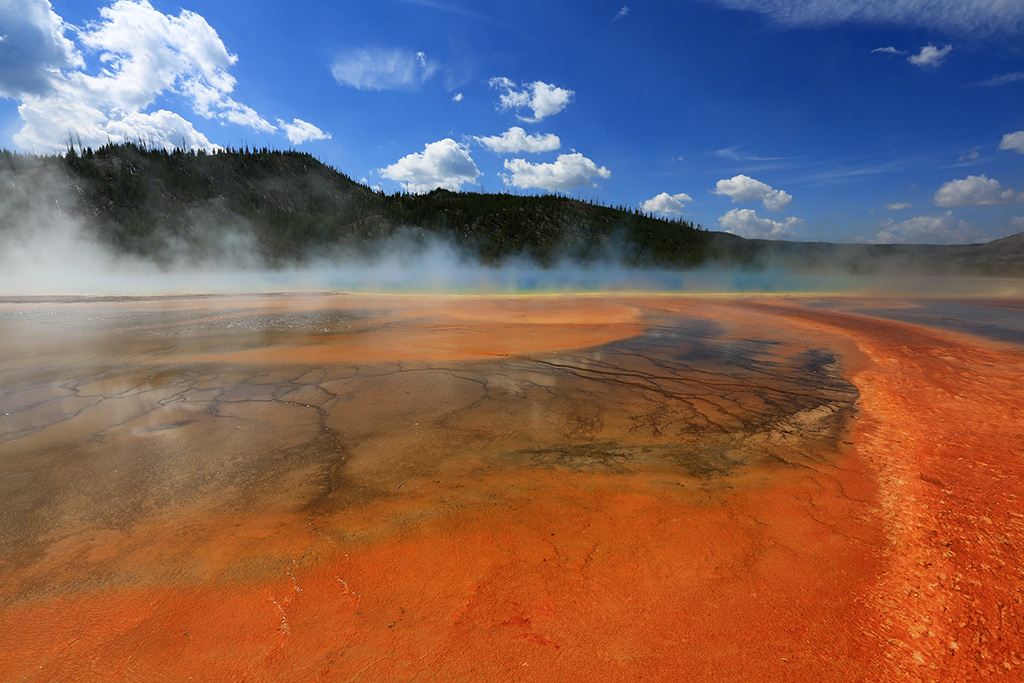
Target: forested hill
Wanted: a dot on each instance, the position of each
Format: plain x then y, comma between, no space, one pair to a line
280,208
158,204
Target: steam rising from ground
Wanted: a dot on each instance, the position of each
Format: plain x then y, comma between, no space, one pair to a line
46,248
59,259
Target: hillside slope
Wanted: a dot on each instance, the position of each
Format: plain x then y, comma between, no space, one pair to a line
293,207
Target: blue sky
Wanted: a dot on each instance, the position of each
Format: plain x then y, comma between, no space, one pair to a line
839,120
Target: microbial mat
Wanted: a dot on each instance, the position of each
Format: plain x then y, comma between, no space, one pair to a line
342,487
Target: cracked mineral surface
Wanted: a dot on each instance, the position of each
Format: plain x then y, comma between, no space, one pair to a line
350,487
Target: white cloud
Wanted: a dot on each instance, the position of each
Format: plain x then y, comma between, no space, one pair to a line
457,97
746,223
930,56
48,121
570,171
383,69
516,140
144,54
737,154
997,81
444,163
898,206
299,131
958,16
623,13
1017,223
666,204
34,48
975,190
743,188
543,99
943,229
160,127
1014,141
211,103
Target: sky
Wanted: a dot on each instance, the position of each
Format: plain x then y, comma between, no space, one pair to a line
826,120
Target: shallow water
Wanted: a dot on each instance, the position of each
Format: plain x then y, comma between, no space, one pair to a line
257,486
115,412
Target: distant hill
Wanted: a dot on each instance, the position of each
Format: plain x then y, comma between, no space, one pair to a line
284,207
1003,257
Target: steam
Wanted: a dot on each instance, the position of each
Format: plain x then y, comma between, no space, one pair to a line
47,249
57,257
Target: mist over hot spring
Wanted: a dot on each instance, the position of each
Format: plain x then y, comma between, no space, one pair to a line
129,220
60,257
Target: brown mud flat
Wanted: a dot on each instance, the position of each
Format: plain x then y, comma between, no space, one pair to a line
606,488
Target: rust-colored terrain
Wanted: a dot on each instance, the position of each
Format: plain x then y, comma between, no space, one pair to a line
617,488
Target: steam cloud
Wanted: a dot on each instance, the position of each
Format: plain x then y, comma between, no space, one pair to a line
47,249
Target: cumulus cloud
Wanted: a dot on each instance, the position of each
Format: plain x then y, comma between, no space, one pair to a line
515,140
457,97
956,16
975,190
444,163
382,69
898,206
623,13
161,127
543,99
34,49
144,54
888,50
743,188
570,171
746,223
1014,141
930,56
666,204
299,131
942,229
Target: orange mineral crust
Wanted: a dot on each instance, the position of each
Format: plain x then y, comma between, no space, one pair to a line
943,434
611,488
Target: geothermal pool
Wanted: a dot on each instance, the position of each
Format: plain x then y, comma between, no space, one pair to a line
348,487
